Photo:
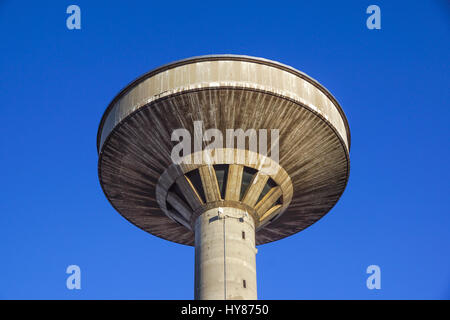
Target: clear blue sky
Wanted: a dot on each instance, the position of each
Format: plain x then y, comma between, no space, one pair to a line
393,84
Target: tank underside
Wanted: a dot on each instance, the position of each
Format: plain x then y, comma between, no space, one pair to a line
136,153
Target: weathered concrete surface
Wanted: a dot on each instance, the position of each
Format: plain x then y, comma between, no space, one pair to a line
225,262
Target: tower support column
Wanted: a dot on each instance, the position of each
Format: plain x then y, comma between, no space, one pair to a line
225,255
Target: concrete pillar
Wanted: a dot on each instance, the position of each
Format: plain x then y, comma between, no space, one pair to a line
225,255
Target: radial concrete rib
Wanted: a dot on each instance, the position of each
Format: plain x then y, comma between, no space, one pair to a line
272,212
234,181
189,191
268,200
180,219
179,205
210,184
255,188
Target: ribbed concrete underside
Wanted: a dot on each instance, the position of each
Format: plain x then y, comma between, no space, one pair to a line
138,151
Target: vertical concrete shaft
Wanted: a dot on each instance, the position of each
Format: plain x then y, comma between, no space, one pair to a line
225,255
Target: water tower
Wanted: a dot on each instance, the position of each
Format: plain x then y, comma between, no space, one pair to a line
222,194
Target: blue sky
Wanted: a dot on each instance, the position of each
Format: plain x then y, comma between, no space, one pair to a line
393,85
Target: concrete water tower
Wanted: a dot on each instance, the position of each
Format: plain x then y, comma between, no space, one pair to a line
225,197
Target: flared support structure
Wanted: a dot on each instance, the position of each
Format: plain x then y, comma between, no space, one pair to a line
225,255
